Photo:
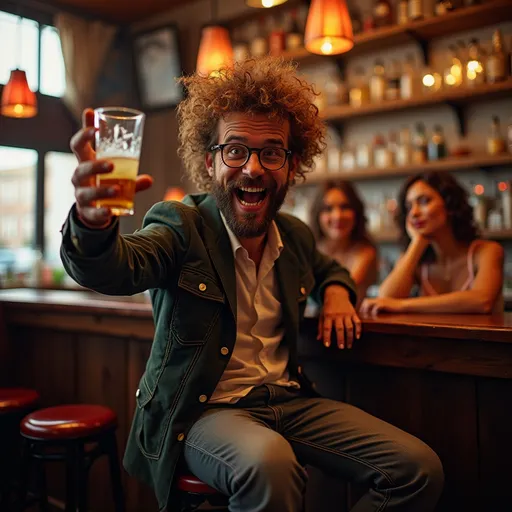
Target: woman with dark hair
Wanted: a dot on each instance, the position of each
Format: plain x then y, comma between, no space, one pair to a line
339,224
456,271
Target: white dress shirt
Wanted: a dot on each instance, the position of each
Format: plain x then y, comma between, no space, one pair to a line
258,356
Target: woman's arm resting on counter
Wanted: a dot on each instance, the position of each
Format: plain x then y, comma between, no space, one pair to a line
480,299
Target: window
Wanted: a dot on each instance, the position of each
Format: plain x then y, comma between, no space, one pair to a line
22,37
59,196
53,76
17,173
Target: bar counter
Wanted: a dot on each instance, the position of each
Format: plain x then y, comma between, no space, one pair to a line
444,378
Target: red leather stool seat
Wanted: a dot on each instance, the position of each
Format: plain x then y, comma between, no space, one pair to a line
68,421
189,483
13,399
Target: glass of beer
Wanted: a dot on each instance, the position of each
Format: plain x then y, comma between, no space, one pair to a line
119,140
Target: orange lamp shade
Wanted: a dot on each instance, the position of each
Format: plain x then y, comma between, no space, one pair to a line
17,98
328,28
174,194
215,50
266,4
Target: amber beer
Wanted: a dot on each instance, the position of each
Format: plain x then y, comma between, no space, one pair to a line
118,140
123,177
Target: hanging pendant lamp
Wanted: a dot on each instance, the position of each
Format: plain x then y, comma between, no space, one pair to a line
265,4
215,49
328,28
17,98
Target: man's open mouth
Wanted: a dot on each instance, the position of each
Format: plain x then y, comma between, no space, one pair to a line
251,196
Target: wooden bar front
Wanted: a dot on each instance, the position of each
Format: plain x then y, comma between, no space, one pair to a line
446,379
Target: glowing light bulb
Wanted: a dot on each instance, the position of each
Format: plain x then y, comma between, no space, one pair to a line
479,189
326,47
429,80
502,186
267,3
18,109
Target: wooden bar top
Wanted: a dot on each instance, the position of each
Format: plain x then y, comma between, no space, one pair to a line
496,328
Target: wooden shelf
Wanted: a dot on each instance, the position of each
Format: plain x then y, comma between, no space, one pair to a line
460,20
459,96
449,164
392,236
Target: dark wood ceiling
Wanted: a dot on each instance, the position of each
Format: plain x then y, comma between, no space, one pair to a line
120,11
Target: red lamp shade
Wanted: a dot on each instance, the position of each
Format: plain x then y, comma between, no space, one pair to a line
17,98
328,28
215,50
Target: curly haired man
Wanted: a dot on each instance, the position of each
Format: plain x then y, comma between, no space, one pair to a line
229,277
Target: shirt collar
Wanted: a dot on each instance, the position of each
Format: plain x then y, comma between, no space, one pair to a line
274,240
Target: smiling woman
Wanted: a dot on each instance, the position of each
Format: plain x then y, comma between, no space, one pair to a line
456,272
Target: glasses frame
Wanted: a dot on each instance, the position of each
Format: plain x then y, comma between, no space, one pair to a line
250,152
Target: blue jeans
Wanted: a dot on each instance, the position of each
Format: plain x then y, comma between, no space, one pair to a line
255,451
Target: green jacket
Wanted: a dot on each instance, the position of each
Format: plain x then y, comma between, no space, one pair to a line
184,257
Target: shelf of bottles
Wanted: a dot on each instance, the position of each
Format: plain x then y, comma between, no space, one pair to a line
448,164
280,30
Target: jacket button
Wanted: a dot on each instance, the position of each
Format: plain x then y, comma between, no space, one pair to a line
181,437
203,398
303,290
137,393
224,351
202,287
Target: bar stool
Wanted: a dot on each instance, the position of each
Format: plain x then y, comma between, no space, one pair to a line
193,493
77,435
15,403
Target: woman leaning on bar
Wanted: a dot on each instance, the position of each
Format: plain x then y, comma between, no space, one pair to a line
339,223
455,270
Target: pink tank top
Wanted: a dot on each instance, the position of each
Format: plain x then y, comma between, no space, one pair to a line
428,289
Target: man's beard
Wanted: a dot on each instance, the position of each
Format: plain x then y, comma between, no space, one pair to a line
247,225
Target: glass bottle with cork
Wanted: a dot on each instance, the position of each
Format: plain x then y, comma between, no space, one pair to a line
419,152
497,62
382,13
437,144
475,71
294,37
378,83
496,142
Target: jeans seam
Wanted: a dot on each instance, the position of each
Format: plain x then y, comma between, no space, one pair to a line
347,455
213,456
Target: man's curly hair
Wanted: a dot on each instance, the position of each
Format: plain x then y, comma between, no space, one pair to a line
455,197
268,85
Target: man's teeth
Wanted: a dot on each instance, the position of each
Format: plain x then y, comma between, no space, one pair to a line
245,203
252,189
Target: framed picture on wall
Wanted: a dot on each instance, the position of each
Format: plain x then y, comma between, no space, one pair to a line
158,65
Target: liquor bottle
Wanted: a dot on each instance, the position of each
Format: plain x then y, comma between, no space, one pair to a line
294,38
393,82
416,10
453,73
496,141
437,145
276,38
402,16
404,149
378,83
410,81
419,152
443,7
475,72
382,13
497,61
359,94
259,45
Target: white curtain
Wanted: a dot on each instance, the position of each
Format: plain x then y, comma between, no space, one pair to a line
84,45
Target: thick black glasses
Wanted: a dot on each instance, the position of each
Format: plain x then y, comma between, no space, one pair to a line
237,155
